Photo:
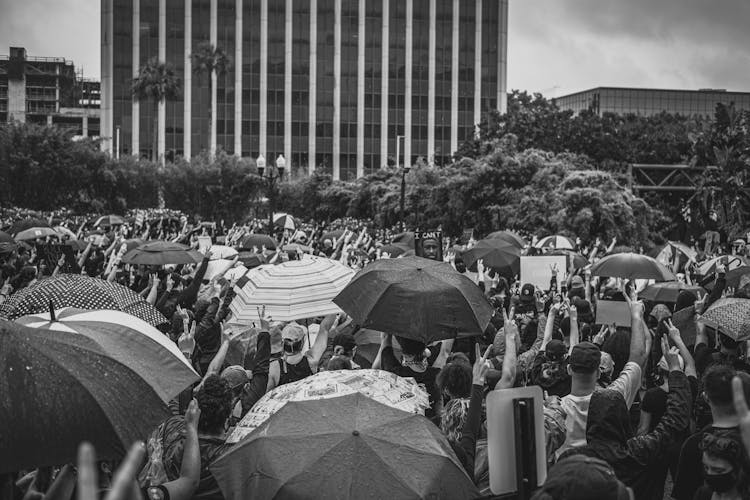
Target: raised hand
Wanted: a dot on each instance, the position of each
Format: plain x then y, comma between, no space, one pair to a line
123,483
481,366
671,355
265,321
740,406
186,342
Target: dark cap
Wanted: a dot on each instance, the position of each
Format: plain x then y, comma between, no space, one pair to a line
527,293
584,478
555,349
585,357
576,282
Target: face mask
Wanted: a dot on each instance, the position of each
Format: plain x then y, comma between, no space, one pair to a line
721,483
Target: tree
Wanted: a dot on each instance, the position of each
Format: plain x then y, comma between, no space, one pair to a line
210,60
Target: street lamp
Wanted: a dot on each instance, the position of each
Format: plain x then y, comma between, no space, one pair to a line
270,177
405,171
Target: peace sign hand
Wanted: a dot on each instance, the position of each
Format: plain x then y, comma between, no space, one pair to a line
481,366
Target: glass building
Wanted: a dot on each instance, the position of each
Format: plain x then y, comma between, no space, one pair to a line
334,83
648,102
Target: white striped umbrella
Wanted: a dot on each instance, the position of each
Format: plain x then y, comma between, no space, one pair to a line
296,289
285,221
126,339
556,241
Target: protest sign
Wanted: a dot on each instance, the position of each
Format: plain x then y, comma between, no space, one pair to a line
204,243
537,270
613,311
429,244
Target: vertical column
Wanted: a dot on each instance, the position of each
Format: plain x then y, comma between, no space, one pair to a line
85,125
408,60
384,88
454,78
361,90
57,89
312,98
238,78
105,122
337,90
162,113
263,111
477,66
502,56
135,129
431,84
213,36
187,91
288,85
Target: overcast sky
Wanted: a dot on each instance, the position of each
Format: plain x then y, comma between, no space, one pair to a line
555,46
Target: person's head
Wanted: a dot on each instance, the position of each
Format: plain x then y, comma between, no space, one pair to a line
606,368
430,248
236,376
460,264
215,400
583,478
527,294
454,379
413,348
717,385
454,418
583,363
339,363
725,462
344,345
685,298
729,346
293,339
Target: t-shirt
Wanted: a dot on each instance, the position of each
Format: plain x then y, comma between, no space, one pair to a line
577,407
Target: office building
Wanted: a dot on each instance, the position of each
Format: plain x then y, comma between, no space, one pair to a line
46,90
648,102
332,83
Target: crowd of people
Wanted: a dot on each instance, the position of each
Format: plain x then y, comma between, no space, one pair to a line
654,410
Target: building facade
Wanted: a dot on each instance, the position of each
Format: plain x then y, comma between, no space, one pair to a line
46,90
648,102
333,83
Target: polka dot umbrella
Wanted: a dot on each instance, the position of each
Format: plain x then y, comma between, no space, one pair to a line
81,292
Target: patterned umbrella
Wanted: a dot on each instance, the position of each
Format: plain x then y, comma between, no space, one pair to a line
82,292
632,266
556,241
730,316
58,390
258,241
382,386
292,290
159,253
508,236
285,221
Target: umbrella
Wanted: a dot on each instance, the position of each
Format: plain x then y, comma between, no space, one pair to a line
285,221
159,253
579,260
368,345
397,250
333,235
64,231
126,339
77,245
7,243
664,253
416,298
556,241
35,232
296,289
734,277
632,266
222,252
498,254
732,262
250,259
58,390
216,266
508,236
133,243
405,239
345,447
82,292
667,291
258,240
109,220
730,316
25,224
384,387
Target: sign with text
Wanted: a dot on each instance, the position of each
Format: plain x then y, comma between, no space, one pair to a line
429,244
537,270
613,311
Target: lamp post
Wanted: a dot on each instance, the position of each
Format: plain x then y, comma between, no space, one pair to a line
270,176
405,171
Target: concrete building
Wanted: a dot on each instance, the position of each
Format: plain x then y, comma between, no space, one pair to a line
648,102
332,83
45,90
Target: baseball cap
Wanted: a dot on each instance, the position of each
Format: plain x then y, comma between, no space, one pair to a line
585,357
555,349
293,331
660,312
576,282
584,478
527,293
235,375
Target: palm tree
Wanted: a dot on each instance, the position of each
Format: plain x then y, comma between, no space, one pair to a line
210,60
156,81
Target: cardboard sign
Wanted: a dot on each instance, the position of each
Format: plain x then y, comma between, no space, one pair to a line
538,270
502,433
204,243
613,311
429,244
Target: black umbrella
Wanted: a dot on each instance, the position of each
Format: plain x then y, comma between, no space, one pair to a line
25,224
397,249
159,253
632,266
667,291
416,298
508,236
258,241
733,276
497,254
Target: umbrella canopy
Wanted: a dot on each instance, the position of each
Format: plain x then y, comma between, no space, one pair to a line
128,340
216,266
667,291
82,292
498,254
732,262
7,243
556,241
296,289
61,389
133,243
734,278
397,250
377,384
416,298
632,266
730,316
258,240
579,260
285,221
250,259
222,252
508,236
345,447
405,239
109,220
665,253
35,232
24,224
159,253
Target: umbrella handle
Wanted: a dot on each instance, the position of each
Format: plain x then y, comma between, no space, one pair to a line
52,312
